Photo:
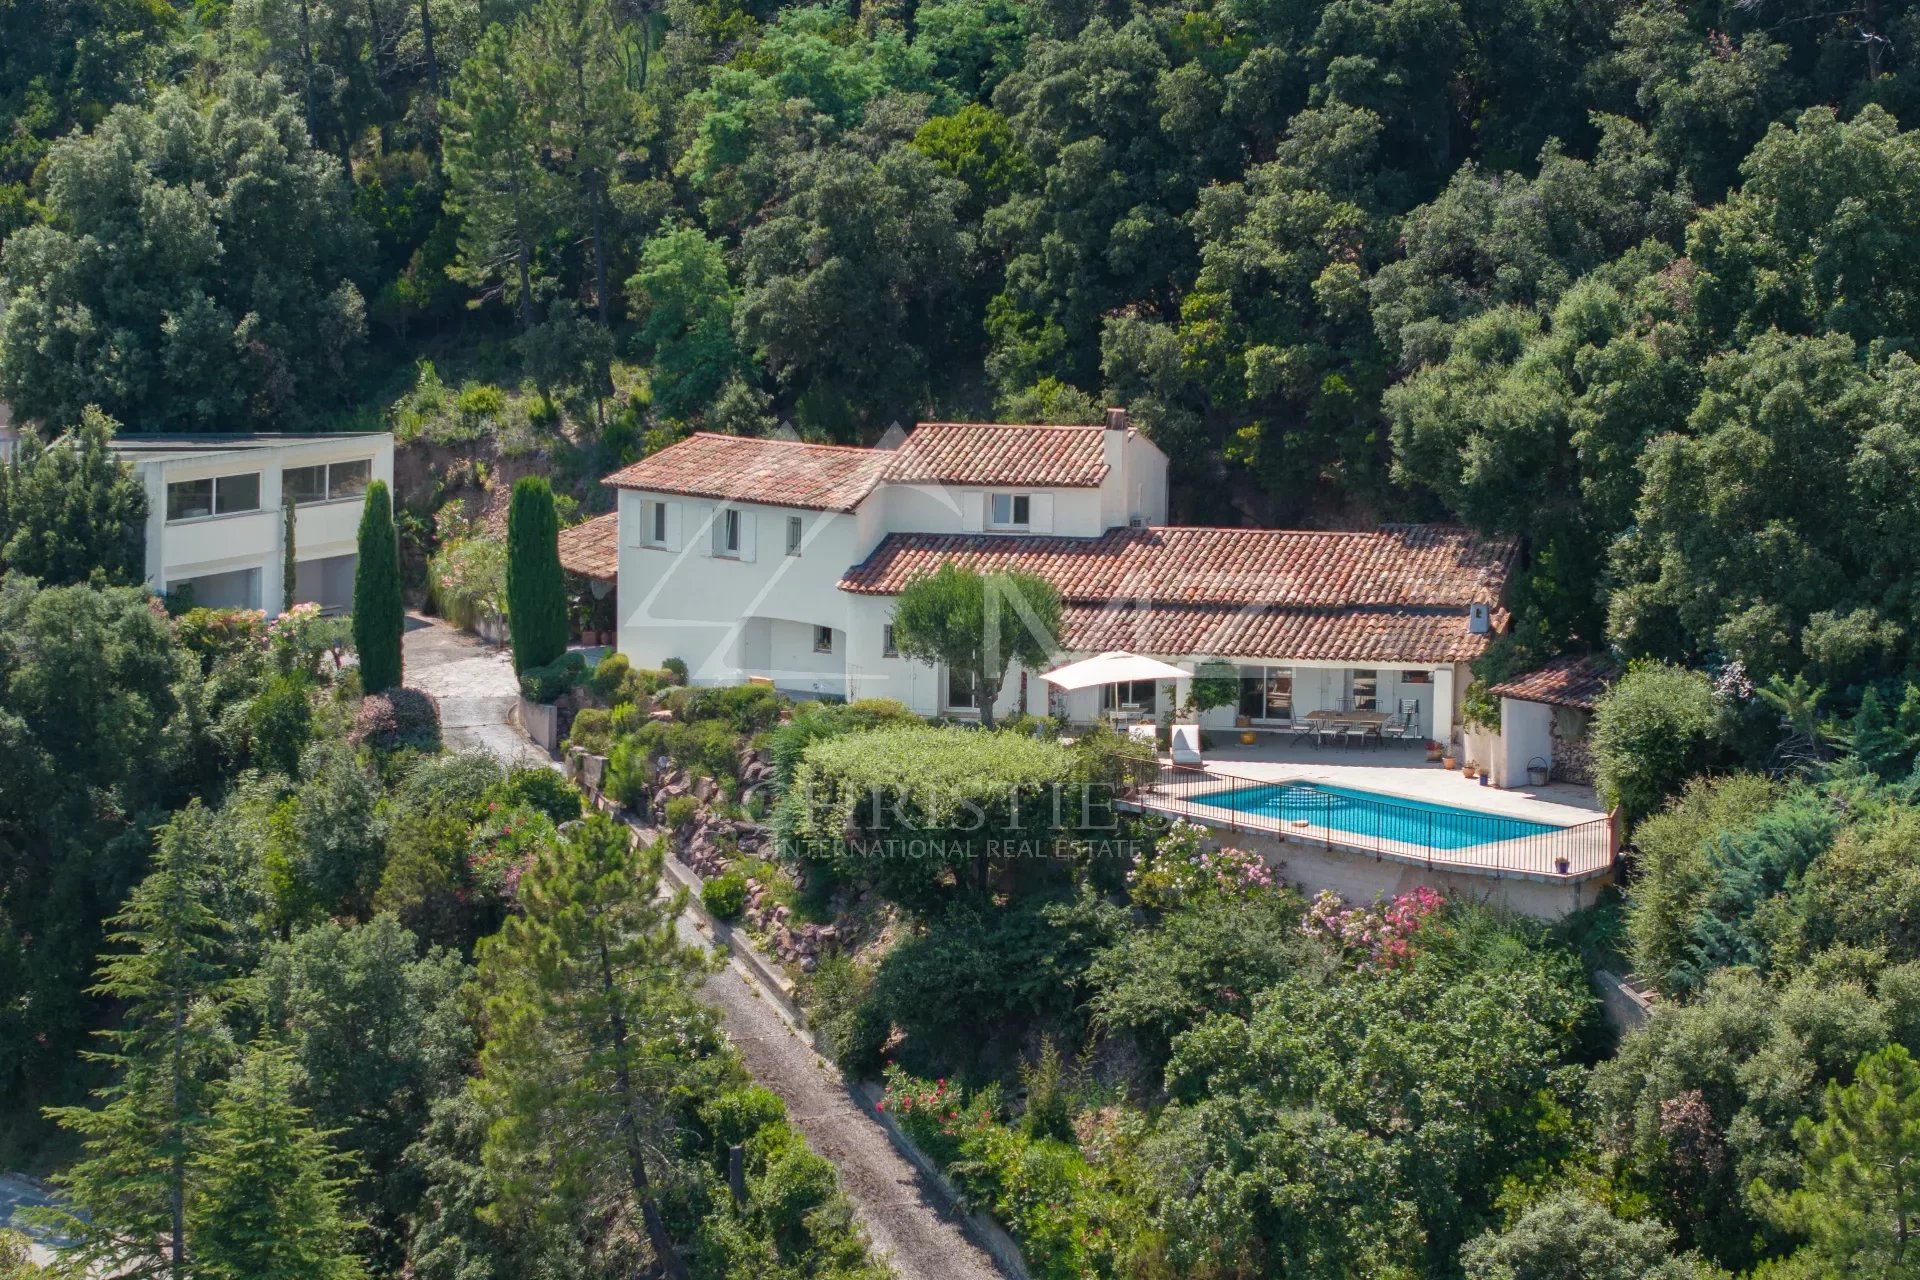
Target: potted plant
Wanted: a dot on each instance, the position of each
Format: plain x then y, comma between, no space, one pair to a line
1448,761
1560,863
1433,750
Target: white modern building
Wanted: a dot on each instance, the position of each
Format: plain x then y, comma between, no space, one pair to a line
780,560
216,526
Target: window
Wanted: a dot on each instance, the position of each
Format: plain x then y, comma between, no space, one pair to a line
1011,510
1266,693
888,649
823,639
726,533
1366,691
326,481
305,484
218,496
1416,677
959,691
349,479
1132,695
793,535
659,523
189,499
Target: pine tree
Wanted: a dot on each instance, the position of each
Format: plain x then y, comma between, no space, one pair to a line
588,1001
379,614
536,591
271,1200
72,508
129,1193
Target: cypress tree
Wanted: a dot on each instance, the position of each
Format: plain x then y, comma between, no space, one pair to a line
536,591
289,566
379,614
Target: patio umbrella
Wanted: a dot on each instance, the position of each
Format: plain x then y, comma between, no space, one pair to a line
1114,667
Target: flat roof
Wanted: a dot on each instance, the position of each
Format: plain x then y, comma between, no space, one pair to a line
216,442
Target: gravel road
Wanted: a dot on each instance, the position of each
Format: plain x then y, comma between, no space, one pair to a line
902,1219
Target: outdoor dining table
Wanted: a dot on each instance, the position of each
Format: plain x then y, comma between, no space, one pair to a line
1375,718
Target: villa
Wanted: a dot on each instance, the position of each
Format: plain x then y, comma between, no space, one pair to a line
779,562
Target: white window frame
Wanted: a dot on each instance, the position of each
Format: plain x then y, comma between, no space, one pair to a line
796,529
822,639
726,533
1019,508
888,649
657,525
1354,675
946,696
326,469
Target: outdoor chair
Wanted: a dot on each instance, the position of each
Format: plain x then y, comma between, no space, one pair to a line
1396,727
1353,735
1326,731
1184,747
1302,731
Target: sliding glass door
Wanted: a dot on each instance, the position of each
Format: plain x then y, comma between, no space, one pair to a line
1266,693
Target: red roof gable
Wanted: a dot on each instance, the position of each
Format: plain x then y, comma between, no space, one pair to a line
1570,680
780,473
1002,453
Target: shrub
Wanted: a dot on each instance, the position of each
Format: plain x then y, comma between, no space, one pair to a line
1651,732
280,721
550,682
813,721
455,784
627,774
681,811
737,1115
608,675
746,708
592,730
839,1009
542,789
724,896
396,719
467,579
1569,1235
708,748
536,589
677,668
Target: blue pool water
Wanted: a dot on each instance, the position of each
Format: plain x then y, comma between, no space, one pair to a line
1367,813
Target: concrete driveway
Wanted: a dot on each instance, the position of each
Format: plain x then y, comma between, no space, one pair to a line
475,686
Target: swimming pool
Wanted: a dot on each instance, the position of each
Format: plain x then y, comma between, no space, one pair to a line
1369,813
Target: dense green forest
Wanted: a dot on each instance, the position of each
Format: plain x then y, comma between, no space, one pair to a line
1598,274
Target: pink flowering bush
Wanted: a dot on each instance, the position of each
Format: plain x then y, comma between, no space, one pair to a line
503,845
1180,867
1377,937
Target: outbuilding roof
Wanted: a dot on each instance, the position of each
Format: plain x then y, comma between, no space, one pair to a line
592,548
1570,680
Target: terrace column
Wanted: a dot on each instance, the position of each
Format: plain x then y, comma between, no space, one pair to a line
1443,705
1182,690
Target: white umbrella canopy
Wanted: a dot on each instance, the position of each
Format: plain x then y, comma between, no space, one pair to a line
1112,667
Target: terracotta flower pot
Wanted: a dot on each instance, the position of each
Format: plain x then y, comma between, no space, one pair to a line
1448,762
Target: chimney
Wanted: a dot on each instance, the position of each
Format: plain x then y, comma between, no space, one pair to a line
1116,419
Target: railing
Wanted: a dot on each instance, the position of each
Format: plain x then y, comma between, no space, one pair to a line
1448,837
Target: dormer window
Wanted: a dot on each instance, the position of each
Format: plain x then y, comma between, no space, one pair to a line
1011,511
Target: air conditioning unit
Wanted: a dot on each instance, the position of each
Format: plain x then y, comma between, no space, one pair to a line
1479,619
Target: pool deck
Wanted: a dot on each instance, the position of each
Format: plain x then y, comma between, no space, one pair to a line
1403,772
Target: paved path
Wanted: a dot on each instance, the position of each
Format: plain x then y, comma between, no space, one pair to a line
475,686
904,1222
17,1194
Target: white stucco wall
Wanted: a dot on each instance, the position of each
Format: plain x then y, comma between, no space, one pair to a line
1526,733
178,550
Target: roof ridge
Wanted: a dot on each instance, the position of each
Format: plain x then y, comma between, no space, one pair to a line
808,444
1019,426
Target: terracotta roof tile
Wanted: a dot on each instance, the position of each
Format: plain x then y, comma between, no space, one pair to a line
1396,565
592,549
1397,594
1363,634
781,473
1070,457
1570,680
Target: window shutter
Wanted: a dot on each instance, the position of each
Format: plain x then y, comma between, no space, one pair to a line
673,525
1040,513
748,521
630,526
972,510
